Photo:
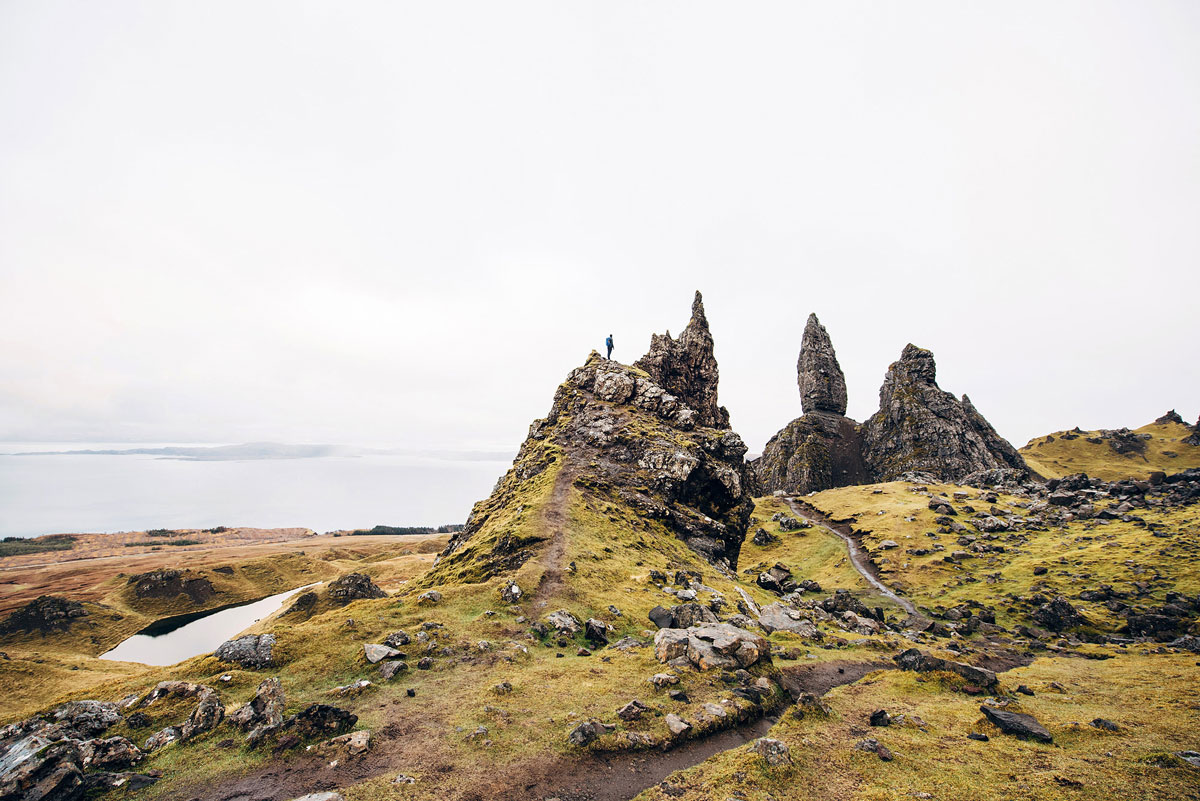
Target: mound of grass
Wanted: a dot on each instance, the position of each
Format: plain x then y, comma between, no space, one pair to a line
1066,452
939,761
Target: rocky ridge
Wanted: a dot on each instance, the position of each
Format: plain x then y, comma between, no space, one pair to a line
650,437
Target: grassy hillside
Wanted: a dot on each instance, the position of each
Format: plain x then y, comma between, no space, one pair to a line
1083,554
1066,452
938,761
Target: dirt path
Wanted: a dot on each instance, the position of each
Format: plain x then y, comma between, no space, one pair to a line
857,558
622,776
554,518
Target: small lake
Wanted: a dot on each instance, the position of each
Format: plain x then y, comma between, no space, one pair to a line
174,639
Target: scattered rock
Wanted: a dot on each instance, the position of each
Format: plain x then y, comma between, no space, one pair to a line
774,752
252,651
677,725
914,660
1016,724
429,598
632,710
377,653
392,668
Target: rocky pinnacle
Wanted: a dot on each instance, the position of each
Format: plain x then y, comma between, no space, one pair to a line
822,384
920,427
687,368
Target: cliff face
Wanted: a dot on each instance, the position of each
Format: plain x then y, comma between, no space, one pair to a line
616,432
920,427
823,448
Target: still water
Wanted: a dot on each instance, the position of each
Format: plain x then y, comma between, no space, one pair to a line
95,493
176,639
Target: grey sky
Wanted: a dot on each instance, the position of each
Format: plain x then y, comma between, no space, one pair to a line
404,223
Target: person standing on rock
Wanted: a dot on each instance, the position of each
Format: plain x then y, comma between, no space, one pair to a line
608,344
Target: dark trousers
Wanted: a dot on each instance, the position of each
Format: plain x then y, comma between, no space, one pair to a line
609,352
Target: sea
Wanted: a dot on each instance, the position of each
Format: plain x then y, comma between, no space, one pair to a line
64,492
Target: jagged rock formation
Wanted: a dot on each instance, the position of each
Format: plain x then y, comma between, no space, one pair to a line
918,428
823,448
650,437
822,384
687,369
1194,437
921,428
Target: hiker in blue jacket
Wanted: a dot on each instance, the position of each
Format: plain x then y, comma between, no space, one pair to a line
608,344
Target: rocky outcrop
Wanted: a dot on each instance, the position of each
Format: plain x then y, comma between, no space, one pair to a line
687,368
352,587
921,428
709,646
47,613
169,584
815,452
818,374
823,448
253,651
46,756
1194,437
664,451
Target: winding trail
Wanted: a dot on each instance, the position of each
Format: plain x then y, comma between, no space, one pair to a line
554,518
857,558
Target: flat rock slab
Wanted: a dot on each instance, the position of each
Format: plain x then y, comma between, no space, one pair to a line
1017,724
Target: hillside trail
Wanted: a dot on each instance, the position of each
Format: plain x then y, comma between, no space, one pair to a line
621,776
857,558
554,520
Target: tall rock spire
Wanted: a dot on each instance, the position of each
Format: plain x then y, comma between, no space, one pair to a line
687,368
822,384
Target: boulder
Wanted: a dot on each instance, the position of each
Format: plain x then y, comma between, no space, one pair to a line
429,598
777,617
110,753
632,710
596,631
588,731
510,593
377,653
1058,615
264,710
712,645
392,668
773,752
915,660
1016,724
321,720
677,725
253,651
564,622
397,639
353,587
777,579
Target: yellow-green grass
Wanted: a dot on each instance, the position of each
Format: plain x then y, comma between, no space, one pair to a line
1151,699
1078,556
1054,456
45,668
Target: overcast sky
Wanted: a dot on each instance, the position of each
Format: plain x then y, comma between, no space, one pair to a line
404,223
